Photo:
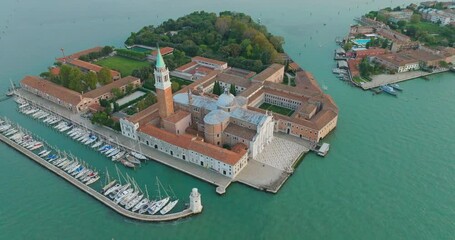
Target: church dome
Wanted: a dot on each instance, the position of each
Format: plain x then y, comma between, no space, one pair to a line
216,117
226,100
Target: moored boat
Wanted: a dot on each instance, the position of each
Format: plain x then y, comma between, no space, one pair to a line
169,207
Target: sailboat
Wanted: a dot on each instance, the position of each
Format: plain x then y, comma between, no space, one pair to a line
171,204
139,155
143,202
156,206
109,182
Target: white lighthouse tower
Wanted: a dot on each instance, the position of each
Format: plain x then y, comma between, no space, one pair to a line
195,201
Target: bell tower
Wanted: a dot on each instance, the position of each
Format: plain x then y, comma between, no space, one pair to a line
163,87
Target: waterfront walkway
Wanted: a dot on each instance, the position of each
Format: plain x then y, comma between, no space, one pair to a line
100,197
384,79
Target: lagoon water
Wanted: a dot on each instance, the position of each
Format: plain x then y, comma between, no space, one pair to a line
390,173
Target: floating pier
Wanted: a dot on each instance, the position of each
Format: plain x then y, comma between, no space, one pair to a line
195,205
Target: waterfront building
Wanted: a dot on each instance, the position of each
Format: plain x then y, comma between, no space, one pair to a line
396,16
65,97
397,62
361,53
442,17
84,66
72,100
165,51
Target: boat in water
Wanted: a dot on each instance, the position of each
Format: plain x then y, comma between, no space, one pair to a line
127,164
138,156
388,89
169,207
396,87
154,208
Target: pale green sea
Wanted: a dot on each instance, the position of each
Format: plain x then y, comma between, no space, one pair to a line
389,175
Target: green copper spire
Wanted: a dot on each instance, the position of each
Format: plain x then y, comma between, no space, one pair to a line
159,58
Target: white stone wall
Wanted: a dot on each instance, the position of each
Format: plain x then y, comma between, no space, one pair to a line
128,128
281,101
263,137
193,157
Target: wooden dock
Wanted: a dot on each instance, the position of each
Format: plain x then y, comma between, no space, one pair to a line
90,191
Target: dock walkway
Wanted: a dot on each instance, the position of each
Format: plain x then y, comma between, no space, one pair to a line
141,217
384,79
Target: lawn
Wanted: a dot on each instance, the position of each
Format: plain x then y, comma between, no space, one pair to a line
124,65
277,109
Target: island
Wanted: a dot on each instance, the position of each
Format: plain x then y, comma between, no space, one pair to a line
393,45
212,95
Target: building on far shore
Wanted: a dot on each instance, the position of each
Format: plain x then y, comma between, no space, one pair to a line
165,51
74,60
72,100
397,62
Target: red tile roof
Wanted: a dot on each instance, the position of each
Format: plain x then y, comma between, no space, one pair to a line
272,69
145,115
55,71
81,53
189,142
164,51
57,91
186,66
177,116
209,60
95,93
294,66
90,66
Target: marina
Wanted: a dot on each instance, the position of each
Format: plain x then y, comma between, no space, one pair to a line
269,179
74,171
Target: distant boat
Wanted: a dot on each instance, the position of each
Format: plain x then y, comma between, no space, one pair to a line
396,87
388,89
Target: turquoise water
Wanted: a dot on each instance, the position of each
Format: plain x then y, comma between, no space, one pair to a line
389,174
361,42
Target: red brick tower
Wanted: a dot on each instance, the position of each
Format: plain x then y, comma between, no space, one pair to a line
163,87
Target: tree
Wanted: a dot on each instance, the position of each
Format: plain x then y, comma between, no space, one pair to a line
117,92
232,90
175,86
277,42
385,43
75,77
223,24
104,102
401,23
45,75
443,64
347,46
415,18
107,50
149,84
64,74
217,88
129,88
90,80
104,76
116,107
